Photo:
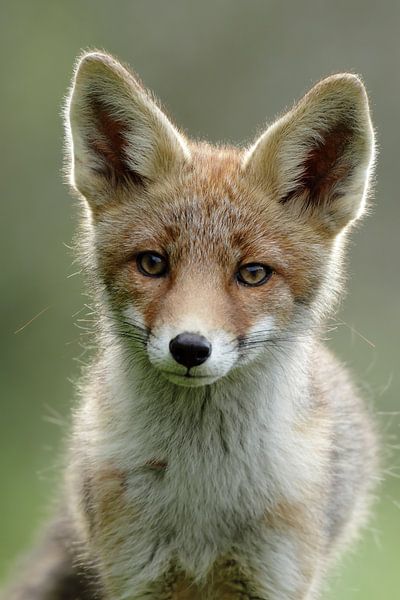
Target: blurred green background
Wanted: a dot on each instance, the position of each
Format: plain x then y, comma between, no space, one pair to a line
222,67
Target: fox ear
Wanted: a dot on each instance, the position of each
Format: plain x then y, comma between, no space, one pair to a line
116,134
316,159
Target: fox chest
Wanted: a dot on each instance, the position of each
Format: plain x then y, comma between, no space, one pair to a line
191,507
197,493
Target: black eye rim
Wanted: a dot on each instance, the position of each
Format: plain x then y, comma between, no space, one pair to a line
268,274
143,271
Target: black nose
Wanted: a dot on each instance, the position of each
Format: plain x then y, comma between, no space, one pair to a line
190,349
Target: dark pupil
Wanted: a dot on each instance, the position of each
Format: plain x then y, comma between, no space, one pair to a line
152,262
255,272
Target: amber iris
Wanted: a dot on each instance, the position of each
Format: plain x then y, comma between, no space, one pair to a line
253,274
151,264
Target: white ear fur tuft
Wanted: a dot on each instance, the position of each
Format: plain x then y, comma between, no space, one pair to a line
317,158
115,131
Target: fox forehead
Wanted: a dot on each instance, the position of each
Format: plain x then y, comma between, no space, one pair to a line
206,212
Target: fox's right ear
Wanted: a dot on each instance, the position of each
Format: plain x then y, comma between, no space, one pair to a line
116,134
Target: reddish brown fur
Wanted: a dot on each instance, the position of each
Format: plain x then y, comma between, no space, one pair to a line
326,165
110,503
111,144
198,218
225,581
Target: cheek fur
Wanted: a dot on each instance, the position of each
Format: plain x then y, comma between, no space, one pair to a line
145,295
273,299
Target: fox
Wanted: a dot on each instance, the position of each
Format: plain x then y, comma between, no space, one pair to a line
219,451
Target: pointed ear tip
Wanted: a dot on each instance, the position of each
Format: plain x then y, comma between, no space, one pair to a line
94,56
94,61
348,83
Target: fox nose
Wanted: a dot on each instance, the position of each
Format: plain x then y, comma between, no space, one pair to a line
190,349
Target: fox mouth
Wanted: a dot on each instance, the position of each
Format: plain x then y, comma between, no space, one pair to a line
188,379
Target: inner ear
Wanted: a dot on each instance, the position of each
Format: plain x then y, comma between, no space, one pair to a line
326,166
108,141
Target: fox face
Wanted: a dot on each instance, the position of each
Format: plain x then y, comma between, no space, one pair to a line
209,258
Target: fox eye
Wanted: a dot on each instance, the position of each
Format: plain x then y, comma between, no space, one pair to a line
151,264
253,274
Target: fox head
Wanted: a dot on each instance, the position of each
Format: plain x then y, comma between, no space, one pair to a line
207,257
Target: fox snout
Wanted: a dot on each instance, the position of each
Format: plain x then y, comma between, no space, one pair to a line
190,349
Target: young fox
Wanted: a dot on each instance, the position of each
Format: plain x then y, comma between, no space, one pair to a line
219,451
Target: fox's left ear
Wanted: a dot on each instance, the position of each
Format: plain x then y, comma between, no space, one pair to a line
116,133
316,160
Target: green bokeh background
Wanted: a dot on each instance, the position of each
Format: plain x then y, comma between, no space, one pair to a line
222,67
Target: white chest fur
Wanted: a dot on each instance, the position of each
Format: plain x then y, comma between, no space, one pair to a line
231,451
